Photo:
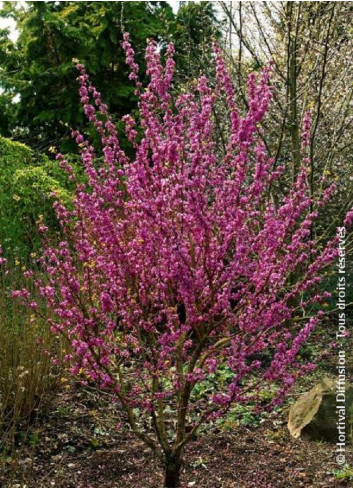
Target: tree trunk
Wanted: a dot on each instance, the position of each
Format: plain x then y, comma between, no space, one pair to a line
172,474
294,127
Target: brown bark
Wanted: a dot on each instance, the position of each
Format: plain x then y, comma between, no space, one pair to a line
172,473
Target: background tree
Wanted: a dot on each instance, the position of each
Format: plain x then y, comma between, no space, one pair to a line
309,44
38,67
196,26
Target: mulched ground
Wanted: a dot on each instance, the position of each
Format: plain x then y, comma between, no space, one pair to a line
74,445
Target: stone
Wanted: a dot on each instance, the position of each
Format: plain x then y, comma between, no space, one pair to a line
314,415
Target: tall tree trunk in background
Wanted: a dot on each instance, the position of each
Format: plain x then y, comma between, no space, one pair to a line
326,43
294,127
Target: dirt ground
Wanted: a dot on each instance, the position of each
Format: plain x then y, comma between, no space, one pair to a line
74,445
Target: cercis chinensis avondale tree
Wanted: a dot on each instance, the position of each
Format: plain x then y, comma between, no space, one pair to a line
178,265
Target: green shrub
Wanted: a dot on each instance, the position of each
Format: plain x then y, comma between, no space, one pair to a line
26,186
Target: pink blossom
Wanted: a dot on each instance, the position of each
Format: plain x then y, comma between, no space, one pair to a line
177,263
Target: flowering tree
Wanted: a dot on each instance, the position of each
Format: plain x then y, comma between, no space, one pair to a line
177,263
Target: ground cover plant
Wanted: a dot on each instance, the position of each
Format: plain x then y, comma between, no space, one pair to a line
178,264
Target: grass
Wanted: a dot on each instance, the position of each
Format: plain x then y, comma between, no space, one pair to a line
28,378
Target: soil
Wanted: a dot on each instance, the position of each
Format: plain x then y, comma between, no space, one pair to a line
74,445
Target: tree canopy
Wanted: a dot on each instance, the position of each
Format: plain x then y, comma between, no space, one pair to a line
39,71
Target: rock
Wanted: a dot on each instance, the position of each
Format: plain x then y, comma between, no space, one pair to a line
314,415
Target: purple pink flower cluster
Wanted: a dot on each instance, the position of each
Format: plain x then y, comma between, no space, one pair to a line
177,260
